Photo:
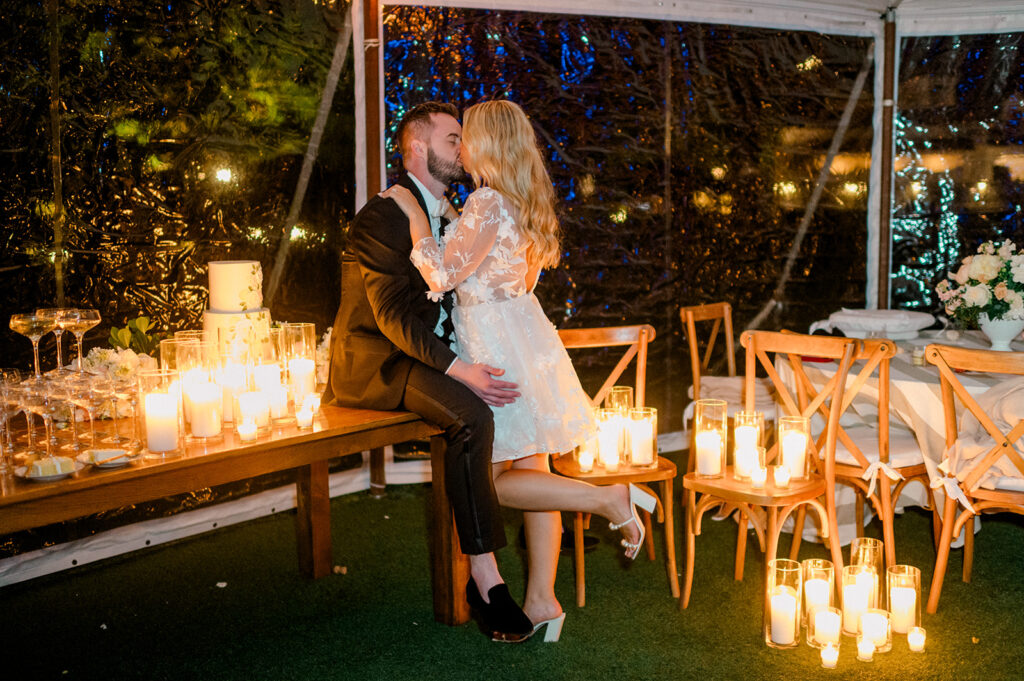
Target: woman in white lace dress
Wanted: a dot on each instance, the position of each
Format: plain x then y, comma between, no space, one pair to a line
492,256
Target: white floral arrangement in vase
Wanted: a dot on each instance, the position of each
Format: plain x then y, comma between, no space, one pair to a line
116,363
989,283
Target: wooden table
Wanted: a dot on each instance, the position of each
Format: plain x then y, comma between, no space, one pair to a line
336,432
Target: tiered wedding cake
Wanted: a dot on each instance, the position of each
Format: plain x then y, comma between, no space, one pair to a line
236,317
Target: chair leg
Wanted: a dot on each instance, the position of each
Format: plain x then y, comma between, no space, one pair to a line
936,523
670,538
581,573
834,545
968,548
939,573
858,514
798,532
691,503
741,547
649,528
888,516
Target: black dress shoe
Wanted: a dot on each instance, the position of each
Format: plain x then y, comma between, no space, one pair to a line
501,618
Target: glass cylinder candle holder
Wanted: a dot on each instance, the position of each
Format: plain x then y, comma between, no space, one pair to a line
824,627
818,576
865,648
860,593
305,409
609,439
202,398
233,377
874,624
903,583
759,475
620,398
782,604
642,426
710,418
161,413
585,455
198,335
870,552
299,342
916,639
830,655
252,406
780,477
172,352
794,436
747,432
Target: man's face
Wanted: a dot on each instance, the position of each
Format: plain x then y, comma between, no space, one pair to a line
444,145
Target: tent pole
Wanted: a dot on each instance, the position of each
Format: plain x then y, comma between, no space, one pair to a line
374,114
885,185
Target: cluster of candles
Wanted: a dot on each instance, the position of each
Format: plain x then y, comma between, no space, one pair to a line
626,435
711,420
800,595
205,385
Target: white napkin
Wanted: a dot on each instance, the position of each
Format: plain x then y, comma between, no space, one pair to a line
1004,403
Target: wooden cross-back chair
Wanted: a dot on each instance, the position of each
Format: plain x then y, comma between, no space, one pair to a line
970,486
877,460
634,339
817,491
705,386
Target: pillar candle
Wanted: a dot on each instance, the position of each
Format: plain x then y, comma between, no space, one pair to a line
608,437
783,621
709,453
266,376
641,438
302,375
232,381
253,406
857,599
161,421
816,592
903,604
794,453
875,626
745,437
745,460
277,397
826,626
207,401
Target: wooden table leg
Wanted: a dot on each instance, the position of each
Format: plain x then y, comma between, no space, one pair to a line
313,519
378,483
450,566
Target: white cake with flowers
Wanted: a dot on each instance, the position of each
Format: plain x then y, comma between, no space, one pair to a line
236,317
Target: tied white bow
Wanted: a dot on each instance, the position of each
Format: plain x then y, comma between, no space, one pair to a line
872,474
953,490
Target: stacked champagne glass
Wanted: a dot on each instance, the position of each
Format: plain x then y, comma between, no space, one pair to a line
58,398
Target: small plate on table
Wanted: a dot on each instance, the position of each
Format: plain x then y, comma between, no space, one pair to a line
69,468
114,457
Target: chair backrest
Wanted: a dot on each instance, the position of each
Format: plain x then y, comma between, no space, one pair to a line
949,360
875,353
633,338
721,315
764,347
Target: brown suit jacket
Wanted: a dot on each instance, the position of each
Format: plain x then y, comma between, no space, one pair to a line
385,321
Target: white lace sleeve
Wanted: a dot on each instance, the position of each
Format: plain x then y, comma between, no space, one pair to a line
467,242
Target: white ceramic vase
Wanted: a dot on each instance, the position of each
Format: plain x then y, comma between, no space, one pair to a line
1000,331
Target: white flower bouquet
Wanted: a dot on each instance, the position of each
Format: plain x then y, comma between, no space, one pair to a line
989,283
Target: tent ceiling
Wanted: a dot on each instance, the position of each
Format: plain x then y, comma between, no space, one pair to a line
857,17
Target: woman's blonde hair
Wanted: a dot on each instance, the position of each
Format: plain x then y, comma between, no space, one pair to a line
505,157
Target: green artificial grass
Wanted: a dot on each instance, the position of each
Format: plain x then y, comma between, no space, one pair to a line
163,614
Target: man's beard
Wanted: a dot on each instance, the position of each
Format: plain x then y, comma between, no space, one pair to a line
443,171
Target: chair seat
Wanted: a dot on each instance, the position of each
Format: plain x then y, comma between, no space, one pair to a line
904,451
730,389
729,488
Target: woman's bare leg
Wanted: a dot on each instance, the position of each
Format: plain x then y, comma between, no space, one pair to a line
529,485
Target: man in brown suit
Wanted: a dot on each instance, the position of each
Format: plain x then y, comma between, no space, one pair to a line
387,353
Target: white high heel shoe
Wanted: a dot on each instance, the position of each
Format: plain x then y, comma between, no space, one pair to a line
554,629
637,497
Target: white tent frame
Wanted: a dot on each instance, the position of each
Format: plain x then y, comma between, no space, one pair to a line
887,21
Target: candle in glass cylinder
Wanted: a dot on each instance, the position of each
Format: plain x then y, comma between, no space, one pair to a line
641,440
903,604
302,375
254,406
794,453
915,639
585,456
758,477
830,656
304,418
781,475
277,398
232,380
816,594
865,649
709,453
827,625
858,592
609,438
783,609
207,401
266,376
247,431
875,626
161,410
